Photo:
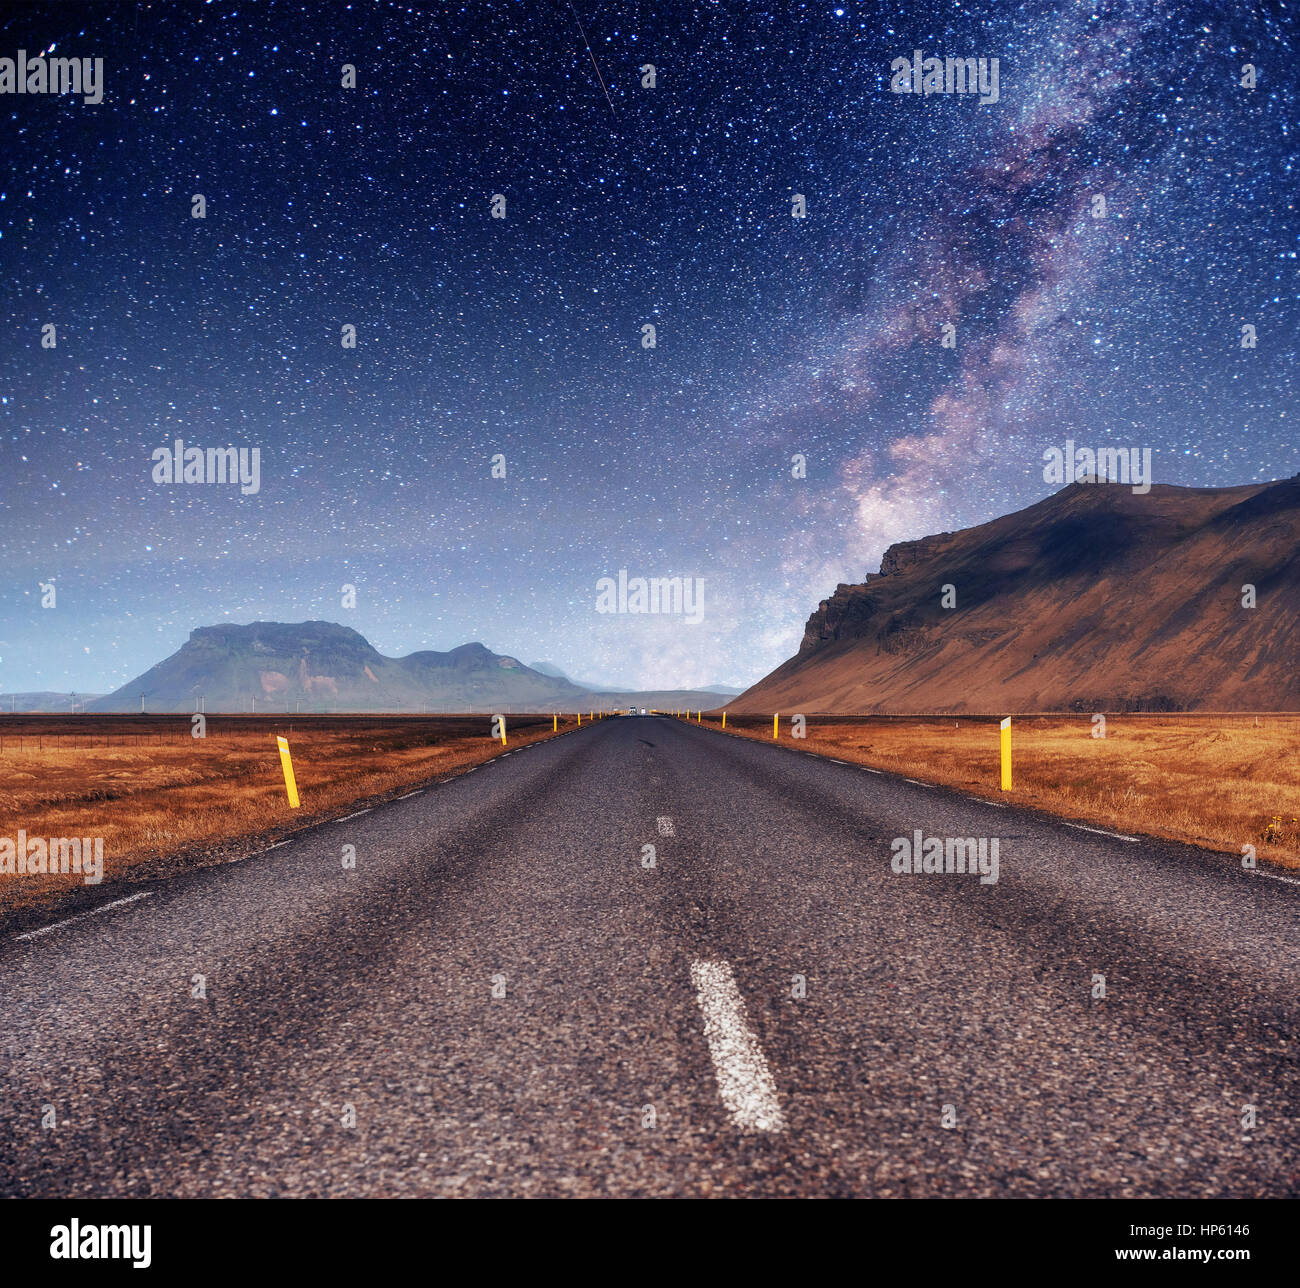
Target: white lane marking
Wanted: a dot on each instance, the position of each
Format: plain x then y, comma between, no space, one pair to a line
838,762
870,770
665,826
408,795
345,817
1273,876
744,1081
1119,836
979,800
58,925
916,783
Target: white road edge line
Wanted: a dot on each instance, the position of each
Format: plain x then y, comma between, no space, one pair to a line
917,783
358,814
1119,836
58,925
745,1083
1274,876
979,800
408,795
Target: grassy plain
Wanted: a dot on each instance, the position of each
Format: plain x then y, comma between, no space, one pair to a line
162,799
1220,781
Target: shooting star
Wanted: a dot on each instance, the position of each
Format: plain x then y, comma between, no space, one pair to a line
592,56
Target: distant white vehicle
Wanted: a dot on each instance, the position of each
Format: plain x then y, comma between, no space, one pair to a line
643,710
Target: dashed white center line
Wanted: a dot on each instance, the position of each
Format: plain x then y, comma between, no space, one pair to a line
1119,836
358,814
916,783
744,1081
58,925
838,762
870,770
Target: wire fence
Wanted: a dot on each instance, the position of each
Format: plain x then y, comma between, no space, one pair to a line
36,742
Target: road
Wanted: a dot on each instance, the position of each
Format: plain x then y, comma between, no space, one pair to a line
652,1038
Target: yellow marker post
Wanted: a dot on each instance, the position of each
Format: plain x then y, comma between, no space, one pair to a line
774,716
724,719
290,785
579,719
1006,754
555,723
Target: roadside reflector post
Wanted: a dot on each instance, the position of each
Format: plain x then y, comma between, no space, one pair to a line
1006,754
503,731
555,723
724,719
775,714
579,719
290,785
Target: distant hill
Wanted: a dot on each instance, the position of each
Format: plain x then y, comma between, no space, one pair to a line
45,701
311,666
322,666
549,668
1094,599
661,697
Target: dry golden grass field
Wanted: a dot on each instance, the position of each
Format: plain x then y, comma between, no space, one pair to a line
1220,781
164,801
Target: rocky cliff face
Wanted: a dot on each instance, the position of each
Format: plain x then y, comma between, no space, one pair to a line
1093,599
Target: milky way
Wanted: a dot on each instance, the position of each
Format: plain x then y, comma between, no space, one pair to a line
625,206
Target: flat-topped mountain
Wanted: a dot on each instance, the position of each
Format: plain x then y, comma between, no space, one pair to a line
309,666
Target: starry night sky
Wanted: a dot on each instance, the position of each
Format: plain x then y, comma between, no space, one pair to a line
522,336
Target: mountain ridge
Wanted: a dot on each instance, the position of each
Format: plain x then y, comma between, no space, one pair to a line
1093,598
327,667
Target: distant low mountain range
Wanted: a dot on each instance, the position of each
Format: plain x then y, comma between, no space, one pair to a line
1094,599
326,667
549,668
46,701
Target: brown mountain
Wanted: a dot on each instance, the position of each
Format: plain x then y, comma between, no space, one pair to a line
1094,599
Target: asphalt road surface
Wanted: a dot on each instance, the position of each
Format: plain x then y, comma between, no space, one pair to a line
769,1009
